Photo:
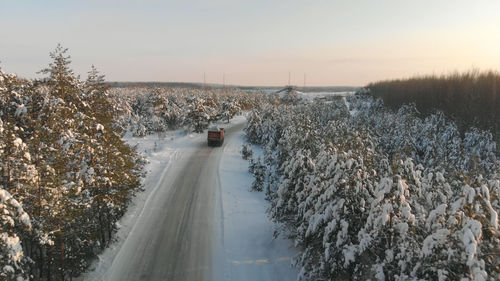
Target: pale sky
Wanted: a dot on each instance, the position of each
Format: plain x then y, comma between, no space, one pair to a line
253,42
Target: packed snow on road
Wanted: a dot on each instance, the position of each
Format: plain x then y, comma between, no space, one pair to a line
242,245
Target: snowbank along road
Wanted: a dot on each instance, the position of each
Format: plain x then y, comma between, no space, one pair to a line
199,221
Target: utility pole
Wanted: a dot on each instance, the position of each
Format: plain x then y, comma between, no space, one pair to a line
304,81
204,81
289,83
223,80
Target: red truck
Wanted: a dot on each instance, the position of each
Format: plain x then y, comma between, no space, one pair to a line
215,136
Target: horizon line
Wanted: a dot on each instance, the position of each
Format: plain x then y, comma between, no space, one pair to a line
232,85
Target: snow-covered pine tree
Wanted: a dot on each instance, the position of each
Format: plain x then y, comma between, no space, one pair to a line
389,195
61,77
228,110
13,222
198,116
63,157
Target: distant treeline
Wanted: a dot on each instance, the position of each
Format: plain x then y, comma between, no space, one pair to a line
220,86
471,98
154,85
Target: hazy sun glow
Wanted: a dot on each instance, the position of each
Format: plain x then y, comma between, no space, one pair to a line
253,42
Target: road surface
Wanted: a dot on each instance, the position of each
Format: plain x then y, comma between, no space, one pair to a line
174,237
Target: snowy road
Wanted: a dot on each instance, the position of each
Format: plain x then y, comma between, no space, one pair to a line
198,219
173,239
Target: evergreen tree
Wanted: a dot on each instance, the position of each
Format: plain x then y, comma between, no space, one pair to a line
61,78
368,193
67,165
13,221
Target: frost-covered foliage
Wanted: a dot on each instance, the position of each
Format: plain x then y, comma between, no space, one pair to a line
246,151
258,169
13,220
66,176
153,110
368,193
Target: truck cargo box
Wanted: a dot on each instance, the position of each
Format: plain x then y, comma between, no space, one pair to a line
215,136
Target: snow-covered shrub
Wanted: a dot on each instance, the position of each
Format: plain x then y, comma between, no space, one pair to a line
246,151
258,170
